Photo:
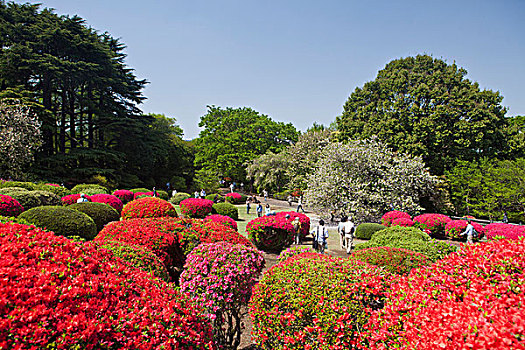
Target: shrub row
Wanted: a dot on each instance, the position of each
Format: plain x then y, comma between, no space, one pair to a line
271,233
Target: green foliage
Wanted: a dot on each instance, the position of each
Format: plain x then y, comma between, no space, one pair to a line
12,190
59,191
516,137
27,199
179,197
226,209
62,221
282,196
425,107
47,198
233,136
207,180
399,233
27,185
269,171
178,183
17,220
394,260
32,199
366,230
140,189
162,194
101,213
89,189
211,197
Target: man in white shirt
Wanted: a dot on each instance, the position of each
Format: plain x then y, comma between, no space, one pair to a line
348,230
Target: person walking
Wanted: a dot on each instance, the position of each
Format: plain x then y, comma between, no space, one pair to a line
348,229
300,204
341,231
289,199
203,193
82,198
320,234
505,218
297,228
469,232
232,187
248,205
154,192
259,209
265,195
196,194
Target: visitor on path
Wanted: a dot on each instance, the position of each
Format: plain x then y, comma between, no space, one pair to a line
232,187
154,192
168,187
203,193
289,199
320,234
505,218
216,198
259,209
265,195
196,194
173,193
348,229
297,228
268,211
341,231
82,198
469,231
300,205
248,205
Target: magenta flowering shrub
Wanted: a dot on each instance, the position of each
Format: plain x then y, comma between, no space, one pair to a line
54,185
403,222
271,233
222,219
455,228
10,206
124,195
196,207
390,216
434,223
220,276
137,195
108,199
233,197
501,230
303,219
72,199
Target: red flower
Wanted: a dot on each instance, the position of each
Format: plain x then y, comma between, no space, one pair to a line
222,219
10,206
108,199
196,207
389,217
72,199
148,207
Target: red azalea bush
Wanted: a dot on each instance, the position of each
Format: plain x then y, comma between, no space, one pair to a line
222,219
303,219
54,185
124,195
64,295
471,300
314,301
395,260
390,216
271,233
220,276
145,233
137,195
403,222
502,230
72,199
211,232
196,207
148,207
188,237
233,197
112,201
10,206
455,228
435,223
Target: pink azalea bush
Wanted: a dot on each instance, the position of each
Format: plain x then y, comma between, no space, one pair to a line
271,233
124,195
10,206
233,197
222,219
112,201
220,276
138,195
72,199
303,219
403,222
390,216
502,230
434,223
196,207
455,228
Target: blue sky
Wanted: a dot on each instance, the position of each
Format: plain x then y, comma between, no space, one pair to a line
298,61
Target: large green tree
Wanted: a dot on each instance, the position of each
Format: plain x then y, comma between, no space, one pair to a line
426,107
233,136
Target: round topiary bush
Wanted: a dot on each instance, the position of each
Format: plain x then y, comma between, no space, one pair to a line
433,224
215,197
124,195
395,260
108,199
27,185
136,256
89,189
233,197
222,219
64,295
454,229
46,197
501,230
303,219
470,300
62,220
389,217
10,206
220,276
53,188
367,229
12,190
163,195
27,199
179,197
72,199
101,213
315,300
293,251
148,207
271,233
196,207
397,233
226,209
140,189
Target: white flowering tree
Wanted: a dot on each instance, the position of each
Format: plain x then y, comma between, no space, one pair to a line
365,179
20,137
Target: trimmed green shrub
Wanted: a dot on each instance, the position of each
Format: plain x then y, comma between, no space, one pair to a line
27,185
367,229
226,209
62,221
282,196
101,213
11,219
395,260
398,233
211,197
162,195
179,197
46,197
10,190
89,189
59,191
140,189
27,199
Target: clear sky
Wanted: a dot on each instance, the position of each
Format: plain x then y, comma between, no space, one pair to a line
298,61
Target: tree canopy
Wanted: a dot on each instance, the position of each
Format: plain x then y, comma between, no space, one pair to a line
426,107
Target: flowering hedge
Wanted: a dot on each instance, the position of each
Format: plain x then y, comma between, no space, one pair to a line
470,300
60,294
396,260
220,276
222,219
124,195
138,195
403,222
388,218
293,251
196,207
72,198
314,301
271,233
455,228
112,201
303,219
233,197
148,207
435,223
9,206
497,230
211,232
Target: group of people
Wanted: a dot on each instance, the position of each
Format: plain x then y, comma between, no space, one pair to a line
345,229
201,194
